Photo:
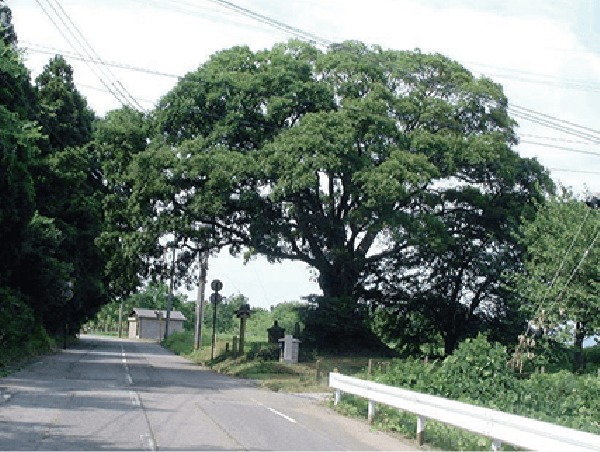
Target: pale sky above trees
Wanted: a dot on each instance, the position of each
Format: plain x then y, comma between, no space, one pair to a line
545,54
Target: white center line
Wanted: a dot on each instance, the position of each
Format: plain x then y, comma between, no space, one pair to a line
281,414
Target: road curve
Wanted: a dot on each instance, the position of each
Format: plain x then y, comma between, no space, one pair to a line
112,394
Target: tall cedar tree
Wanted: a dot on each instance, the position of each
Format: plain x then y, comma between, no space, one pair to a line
69,192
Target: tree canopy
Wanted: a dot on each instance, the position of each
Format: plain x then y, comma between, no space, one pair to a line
51,271
349,160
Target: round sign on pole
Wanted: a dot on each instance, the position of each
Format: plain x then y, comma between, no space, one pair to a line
215,298
216,285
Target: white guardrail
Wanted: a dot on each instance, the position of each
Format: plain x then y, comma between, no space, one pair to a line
501,427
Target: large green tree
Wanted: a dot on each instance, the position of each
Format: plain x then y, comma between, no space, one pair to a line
339,159
117,139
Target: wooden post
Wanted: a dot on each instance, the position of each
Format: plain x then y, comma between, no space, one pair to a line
371,411
318,371
338,396
226,347
370,368
242,332
421,430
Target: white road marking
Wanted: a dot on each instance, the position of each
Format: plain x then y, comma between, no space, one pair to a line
134,398
281,414
274,411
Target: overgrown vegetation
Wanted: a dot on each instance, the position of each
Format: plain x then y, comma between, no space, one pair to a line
477,373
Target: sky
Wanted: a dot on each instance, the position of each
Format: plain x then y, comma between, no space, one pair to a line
545,53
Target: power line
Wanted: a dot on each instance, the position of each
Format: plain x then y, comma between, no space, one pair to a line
116,92
522,112
573,171
543,79
36,48
541,137
563,148
121,88
274,23
553,118
60,30
557,126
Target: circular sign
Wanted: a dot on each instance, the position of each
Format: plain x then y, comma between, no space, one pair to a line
215,298
216,285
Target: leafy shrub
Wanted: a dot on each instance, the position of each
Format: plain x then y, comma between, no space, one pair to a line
476,370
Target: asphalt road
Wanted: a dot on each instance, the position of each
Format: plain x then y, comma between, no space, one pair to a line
111,394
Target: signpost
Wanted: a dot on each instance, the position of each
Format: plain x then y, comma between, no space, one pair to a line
243,313
215,299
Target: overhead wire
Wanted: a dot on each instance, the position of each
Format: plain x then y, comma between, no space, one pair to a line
559,269
553,118
37,48
115,90
92,53
557,124
583,257
562,148
60,30
310,37
566,170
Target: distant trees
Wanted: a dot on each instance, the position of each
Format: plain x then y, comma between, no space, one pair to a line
152,296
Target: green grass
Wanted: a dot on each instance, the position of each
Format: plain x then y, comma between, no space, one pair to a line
270,374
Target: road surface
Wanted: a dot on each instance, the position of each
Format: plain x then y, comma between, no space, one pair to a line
112,394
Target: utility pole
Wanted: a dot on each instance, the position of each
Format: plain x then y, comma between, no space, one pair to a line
170,301
200,300
121,304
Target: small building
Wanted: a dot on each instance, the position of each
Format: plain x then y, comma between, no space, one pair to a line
150,323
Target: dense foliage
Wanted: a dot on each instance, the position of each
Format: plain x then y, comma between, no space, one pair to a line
559,285
477,373
51,271
391,173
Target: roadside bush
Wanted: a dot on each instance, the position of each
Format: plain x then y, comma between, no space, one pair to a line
476,370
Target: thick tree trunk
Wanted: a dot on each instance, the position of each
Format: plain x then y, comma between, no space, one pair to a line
338,280
450,342
578,362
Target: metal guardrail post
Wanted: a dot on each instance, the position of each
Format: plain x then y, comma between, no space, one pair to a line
338,396
371,411
421,430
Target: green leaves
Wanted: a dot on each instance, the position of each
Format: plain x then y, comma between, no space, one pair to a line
561,275
370,165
